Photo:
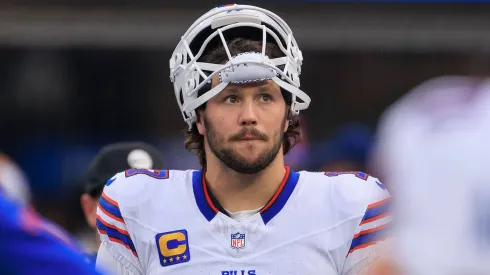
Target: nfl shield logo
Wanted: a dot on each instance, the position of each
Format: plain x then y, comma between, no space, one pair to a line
238,240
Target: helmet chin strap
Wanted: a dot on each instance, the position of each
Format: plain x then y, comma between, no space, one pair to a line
204,97
244,68
248,72
248,67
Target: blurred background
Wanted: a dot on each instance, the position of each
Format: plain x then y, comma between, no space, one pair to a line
78,74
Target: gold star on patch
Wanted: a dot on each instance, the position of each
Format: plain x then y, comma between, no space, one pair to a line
178,258
164,261
184,257
171,259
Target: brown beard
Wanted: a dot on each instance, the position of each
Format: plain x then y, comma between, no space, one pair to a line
232,159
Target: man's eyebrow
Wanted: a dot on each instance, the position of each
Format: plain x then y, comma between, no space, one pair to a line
266,88
231,90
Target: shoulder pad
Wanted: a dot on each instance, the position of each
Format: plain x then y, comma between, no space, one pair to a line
358,189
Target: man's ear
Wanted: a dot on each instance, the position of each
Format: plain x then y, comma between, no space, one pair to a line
288,120
200,122
286,125
89,208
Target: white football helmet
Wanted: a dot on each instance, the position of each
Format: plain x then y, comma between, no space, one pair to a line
13,181
219,26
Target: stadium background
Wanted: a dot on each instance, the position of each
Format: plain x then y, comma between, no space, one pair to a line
78,74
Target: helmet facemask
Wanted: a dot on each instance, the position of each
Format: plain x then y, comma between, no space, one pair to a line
192,77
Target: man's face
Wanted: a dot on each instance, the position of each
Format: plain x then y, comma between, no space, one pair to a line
244,125
89,207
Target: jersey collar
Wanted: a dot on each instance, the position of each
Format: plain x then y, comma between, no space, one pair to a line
209,206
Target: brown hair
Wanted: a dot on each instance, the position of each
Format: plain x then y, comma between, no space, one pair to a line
194,141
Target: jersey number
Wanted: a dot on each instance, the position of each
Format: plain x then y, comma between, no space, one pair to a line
360,175
157,174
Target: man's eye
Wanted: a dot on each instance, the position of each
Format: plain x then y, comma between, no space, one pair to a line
231,99
265,98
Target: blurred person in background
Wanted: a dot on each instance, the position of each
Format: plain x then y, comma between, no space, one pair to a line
346,150
13,181
244,212
110,160
433,146
32,245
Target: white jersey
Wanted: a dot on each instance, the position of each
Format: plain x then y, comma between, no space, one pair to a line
434,146
164,222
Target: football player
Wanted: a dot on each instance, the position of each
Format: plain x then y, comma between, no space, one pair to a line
111,159
30,244
236,78
433,149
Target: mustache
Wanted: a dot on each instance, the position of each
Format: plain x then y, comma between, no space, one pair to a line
249,131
